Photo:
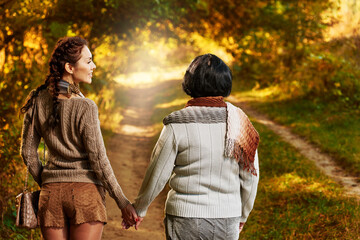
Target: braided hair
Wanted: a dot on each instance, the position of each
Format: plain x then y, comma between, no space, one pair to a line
67,50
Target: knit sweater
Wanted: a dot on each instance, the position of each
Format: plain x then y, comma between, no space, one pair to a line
204,183
76,151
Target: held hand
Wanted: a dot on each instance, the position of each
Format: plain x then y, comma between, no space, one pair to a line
138,222
129,215
125,225
241,226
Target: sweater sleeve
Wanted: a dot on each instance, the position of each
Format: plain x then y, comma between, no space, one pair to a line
30,140
159,170
94,144
248,189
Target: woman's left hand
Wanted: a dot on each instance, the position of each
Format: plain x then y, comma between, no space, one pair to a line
241,226
138,222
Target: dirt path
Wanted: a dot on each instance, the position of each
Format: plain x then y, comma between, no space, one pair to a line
322,161
129,152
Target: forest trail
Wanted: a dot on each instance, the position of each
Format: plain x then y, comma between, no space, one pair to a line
130,148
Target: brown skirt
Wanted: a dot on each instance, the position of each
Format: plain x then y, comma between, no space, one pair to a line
61,204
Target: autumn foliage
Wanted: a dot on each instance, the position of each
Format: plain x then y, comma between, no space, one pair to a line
283,43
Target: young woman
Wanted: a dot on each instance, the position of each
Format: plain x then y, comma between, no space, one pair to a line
208,151
77,172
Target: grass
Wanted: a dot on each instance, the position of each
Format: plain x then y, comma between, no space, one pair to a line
295,200
329,125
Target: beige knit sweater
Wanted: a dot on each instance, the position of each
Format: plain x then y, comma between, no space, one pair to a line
76,151
204,183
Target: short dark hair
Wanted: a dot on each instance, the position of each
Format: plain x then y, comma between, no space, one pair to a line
207,75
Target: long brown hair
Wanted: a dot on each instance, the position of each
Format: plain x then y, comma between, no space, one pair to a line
67,50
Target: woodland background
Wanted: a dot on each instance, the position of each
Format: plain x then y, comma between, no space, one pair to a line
304,51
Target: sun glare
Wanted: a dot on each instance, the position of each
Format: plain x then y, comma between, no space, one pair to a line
139,131
293,182
159,60
176,102
149,78
348,15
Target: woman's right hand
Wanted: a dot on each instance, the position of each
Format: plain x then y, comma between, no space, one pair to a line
129,215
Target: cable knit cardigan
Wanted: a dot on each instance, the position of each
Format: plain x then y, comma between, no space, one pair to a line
204,183
76,151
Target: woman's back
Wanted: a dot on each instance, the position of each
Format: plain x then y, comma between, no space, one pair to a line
67,158
205,183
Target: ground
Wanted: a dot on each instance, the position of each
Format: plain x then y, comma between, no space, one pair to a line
129,151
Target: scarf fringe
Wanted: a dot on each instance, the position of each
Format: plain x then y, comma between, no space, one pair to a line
242,139
233,149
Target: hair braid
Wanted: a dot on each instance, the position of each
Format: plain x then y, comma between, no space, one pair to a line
54,118
33,94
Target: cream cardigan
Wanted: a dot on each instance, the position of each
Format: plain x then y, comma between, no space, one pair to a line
190,155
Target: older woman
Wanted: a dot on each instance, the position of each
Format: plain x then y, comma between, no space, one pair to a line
208,151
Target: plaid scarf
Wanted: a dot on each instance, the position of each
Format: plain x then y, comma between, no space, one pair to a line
242,139
67,88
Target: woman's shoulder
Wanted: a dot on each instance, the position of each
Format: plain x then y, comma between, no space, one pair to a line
45,95
83,105
84,108
195,114
87,102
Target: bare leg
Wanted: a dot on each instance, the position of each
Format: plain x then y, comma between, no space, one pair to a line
86,231
50,233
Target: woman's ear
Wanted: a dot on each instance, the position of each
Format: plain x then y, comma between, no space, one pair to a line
69,68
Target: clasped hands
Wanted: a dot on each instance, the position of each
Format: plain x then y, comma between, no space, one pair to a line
130,217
